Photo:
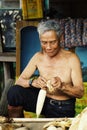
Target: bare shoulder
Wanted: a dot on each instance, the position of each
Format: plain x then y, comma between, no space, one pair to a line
38,54
70,55
36,57
72,58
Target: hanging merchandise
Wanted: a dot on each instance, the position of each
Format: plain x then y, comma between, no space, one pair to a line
67,33
79,31
84,38
75,32
32,9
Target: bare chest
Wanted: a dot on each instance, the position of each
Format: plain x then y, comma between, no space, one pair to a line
53,69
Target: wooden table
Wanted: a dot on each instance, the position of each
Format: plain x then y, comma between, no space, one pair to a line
36,123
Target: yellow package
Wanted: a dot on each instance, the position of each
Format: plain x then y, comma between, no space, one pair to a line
32,9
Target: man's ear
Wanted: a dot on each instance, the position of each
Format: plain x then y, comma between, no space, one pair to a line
62,40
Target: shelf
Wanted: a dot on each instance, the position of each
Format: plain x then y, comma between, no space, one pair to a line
8,57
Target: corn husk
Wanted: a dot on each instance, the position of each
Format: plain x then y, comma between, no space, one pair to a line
80,121
40,102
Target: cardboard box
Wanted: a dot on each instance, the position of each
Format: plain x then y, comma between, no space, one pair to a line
32,9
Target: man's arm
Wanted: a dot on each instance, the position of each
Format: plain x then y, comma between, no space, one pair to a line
77,88
29,70
73,91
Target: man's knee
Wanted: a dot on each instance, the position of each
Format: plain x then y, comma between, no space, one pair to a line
14,94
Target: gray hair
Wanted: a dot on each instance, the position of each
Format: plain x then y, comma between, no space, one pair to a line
49,25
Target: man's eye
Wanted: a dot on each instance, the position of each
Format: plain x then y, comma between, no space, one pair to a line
53,42
44,42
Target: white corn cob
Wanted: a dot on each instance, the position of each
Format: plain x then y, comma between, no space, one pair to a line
1,128
51,128
22,128
40,101
50,87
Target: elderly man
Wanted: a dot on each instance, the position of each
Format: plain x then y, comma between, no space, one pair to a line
55,64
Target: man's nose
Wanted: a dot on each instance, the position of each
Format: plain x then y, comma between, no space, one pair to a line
48,46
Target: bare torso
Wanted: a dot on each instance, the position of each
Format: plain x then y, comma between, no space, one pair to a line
65,65
54,62
58,66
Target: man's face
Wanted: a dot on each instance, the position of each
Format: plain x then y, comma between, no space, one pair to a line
50,43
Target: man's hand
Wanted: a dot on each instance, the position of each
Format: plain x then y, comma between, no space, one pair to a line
40,82
53,85
56,82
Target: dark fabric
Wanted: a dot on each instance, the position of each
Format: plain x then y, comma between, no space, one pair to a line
27,97
54,108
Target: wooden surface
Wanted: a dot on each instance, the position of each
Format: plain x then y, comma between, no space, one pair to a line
19,26
35,123
8,57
